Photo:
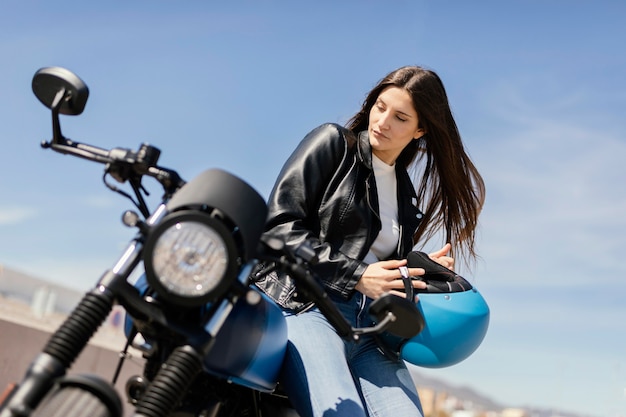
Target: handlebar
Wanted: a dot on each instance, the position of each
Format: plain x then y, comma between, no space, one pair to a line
312,290
63,92
294,262
395,314
122,164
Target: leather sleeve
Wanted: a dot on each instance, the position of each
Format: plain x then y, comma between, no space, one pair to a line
296,198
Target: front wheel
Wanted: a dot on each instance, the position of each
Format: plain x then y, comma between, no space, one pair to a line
80,396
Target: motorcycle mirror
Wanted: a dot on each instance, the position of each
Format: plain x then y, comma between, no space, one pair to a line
48,83
409,320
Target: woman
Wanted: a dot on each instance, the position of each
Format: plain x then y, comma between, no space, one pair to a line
347,191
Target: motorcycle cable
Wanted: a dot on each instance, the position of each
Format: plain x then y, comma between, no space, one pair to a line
123,355
137,187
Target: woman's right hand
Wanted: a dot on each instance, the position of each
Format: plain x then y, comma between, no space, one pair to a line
384,277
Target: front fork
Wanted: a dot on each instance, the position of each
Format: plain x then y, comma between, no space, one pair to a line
59,353
68,341
170,384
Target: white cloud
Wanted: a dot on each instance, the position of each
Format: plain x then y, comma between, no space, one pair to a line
16,215
101,201
555,195
551,239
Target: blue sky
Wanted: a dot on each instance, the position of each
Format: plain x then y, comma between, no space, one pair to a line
538,89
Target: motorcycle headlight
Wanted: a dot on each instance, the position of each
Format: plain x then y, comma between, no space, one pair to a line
190,258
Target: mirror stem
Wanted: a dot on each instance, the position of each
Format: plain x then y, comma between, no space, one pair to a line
57,136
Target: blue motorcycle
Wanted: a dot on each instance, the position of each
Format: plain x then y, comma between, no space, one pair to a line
212,343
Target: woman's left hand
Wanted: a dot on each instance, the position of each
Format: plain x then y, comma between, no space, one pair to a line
442,258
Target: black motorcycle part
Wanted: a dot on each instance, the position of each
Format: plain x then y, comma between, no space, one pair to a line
409,320
68,341
48,82
80,396
171,383
39,379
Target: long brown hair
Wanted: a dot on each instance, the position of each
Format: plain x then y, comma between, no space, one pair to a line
450,181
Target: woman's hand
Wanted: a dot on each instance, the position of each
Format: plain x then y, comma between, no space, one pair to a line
384,276
442,258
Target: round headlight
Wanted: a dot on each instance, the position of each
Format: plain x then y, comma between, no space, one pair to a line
190,258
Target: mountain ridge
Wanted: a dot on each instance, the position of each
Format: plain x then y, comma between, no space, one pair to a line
482,402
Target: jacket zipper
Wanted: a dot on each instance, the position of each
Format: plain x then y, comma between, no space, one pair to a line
400,238
361,309
369,202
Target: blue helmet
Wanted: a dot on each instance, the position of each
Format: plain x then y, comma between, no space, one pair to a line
456,317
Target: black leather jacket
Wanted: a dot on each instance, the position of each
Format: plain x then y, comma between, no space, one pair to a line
326,194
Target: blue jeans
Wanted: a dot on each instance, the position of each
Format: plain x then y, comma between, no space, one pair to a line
326,376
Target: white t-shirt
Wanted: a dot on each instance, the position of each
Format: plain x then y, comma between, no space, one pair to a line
387,185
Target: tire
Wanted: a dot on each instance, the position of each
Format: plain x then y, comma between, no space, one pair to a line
80,396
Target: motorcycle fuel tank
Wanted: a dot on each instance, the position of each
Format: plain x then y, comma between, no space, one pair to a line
250,346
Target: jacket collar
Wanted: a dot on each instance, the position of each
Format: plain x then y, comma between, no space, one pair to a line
364,149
